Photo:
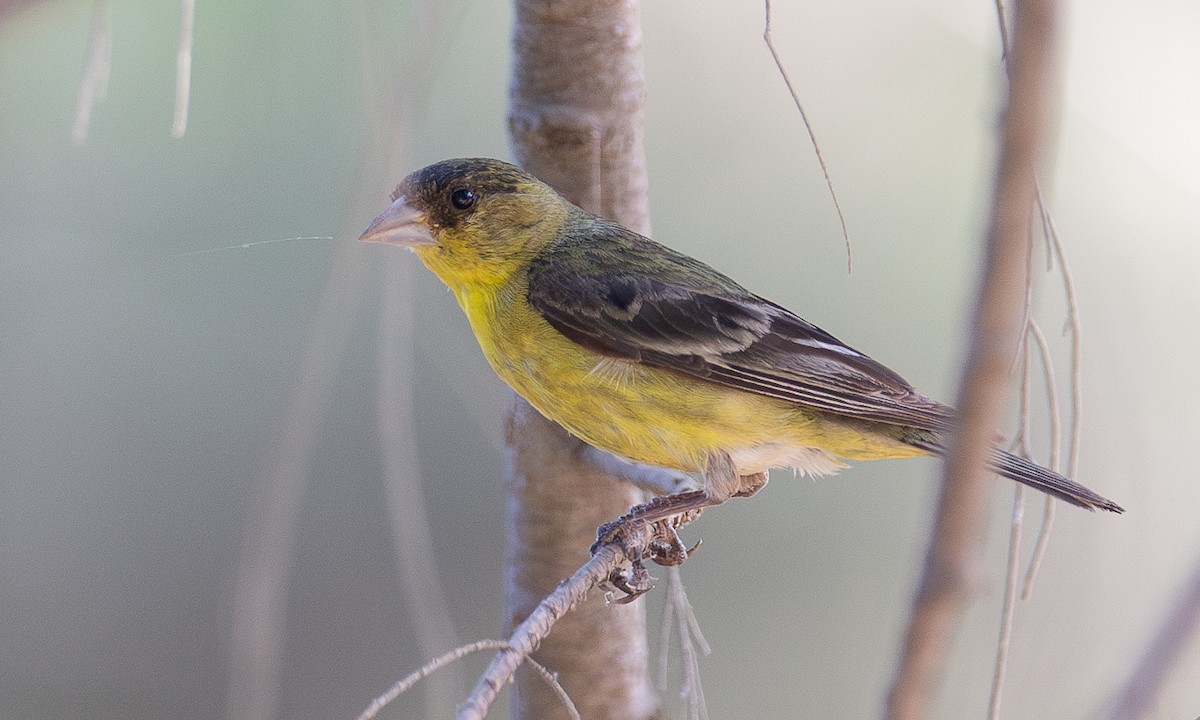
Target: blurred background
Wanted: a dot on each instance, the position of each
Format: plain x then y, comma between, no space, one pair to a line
154,399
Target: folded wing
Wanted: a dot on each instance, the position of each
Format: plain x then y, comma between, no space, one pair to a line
627,297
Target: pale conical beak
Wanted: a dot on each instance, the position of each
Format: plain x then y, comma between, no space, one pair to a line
401,224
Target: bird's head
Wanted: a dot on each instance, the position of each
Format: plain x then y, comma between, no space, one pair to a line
473,221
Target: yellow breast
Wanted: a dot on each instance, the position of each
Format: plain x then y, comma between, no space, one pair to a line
648,414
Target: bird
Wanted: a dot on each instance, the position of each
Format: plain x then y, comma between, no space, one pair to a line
654,356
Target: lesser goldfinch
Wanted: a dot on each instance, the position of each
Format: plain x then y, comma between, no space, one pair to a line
653,355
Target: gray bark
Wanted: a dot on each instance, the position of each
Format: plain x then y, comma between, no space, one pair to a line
575,121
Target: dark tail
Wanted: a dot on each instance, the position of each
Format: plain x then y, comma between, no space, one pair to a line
1044,479
1038,478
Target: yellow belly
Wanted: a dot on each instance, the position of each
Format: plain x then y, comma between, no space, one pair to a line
653,415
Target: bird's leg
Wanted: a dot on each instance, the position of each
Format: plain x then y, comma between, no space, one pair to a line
650,529
751,484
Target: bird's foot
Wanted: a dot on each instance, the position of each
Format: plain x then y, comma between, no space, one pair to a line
650,531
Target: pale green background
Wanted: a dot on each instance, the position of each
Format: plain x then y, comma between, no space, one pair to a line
139,389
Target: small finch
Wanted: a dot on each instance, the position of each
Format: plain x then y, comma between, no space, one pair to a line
652,355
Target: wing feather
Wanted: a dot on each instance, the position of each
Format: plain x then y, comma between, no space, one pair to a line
624,296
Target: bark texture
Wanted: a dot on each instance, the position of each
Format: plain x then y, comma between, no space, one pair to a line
575,121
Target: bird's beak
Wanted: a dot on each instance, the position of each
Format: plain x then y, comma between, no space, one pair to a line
401,224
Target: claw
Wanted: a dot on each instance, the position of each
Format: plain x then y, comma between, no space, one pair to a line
634,583
649,531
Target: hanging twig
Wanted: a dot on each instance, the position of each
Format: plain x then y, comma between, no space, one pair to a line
1043,538
678,615
1012,571
812,135
1002,19
1012,568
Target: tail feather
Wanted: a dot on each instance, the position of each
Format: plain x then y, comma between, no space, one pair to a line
1062,487
1037,477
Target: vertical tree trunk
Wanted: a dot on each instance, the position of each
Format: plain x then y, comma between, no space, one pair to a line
575,121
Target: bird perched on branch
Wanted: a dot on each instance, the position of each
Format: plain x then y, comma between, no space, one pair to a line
653,355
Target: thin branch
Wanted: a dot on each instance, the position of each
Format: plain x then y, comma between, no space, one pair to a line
405,683
1075,327
555,686
1043,347
1010,601
666,623
678,615
183,68
812,135
654,480
954,549
1043,539
1007,614
1005,42
530,633
429,668
93,85
691,639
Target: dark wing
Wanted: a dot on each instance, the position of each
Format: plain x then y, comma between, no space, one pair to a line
622,295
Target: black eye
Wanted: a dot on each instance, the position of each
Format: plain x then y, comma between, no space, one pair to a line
463,199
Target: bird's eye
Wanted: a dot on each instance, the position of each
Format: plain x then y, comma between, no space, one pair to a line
463,199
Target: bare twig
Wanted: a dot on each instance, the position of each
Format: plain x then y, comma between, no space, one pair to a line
183,68
666,623
1010,601
1135,699
530,633
690,640
1043,538
953,552
1075,327
429,668
1021,445
812,135
93,85
1047,361
654,480
1005,43
405,683
679,616
556,687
